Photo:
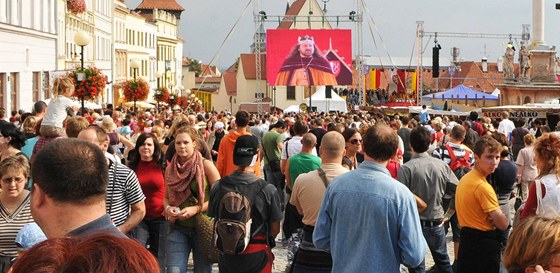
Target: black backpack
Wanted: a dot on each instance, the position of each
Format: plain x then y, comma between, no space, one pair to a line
232,226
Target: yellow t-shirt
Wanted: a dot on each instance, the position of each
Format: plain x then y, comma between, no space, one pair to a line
474,199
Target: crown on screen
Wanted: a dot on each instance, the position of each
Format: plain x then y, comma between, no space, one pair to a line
307,39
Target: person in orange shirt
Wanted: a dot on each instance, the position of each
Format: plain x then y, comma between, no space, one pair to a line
479,213
224,162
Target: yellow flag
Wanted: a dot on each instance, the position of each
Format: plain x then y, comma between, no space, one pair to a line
372,80
413,82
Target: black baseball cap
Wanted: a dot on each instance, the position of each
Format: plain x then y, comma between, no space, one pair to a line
246,147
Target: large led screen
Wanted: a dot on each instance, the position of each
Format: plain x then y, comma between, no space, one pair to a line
309,57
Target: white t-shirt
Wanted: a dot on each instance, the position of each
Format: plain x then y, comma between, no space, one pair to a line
56,111
506,126
294,148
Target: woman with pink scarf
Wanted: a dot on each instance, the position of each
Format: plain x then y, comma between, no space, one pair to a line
188,179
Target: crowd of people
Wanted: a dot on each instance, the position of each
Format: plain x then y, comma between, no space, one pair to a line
354,192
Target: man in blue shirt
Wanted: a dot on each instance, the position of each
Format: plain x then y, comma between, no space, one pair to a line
368,220
424,116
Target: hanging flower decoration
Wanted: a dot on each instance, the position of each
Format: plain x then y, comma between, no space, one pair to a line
76,6
183,101
173,99
91,85
136,90
161,94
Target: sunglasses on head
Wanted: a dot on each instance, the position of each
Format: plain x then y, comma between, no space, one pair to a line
355,141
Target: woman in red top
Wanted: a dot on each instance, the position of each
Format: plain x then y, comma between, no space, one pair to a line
148,164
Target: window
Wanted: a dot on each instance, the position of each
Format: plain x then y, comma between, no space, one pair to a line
36,85
291,93
14,91
2,87
46,87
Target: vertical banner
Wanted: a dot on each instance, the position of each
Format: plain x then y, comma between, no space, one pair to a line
392,79
401,81
372,82
378,78
375,78
414,81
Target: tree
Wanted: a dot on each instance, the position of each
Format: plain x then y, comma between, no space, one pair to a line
194,65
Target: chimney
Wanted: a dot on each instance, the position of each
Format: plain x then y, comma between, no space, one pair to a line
484,64
500,64
455,51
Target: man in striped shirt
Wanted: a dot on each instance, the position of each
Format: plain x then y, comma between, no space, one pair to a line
459,150
125,199
69,186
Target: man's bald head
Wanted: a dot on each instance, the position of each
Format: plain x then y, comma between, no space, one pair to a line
308,140
332,147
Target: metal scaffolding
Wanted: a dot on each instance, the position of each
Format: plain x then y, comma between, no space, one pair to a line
420,33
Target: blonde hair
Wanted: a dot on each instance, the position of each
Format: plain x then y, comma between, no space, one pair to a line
534,241
529,139
180,121
15,162
157,131
61,85
28,125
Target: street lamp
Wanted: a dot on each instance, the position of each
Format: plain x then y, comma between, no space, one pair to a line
181,89
158,75
134,64
82,38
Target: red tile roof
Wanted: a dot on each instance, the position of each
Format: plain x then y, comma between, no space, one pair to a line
470,75
294,9
208,70
250,68
230,81
160,4
208,80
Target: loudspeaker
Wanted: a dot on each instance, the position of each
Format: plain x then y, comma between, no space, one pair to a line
435,61
328,92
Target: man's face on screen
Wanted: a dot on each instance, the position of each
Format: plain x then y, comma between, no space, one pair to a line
306,49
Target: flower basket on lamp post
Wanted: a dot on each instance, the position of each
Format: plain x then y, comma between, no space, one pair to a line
89,83
161,95
183,101
76,6
136,90
173,99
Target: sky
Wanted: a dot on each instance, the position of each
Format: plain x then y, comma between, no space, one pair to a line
206,23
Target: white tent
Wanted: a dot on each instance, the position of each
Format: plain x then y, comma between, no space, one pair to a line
292,109
496,92
336,103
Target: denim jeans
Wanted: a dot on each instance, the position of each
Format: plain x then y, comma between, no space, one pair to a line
152,233
180,242
435,238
